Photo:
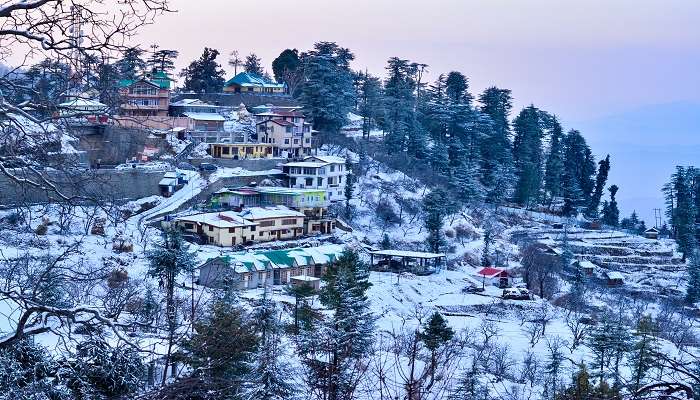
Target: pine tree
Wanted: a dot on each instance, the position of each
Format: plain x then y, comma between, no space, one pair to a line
681,208
554,166
693,288
579,168
269,378
469,386
344,339
167,261
221,349
527,152
600,181
402,121
434,204
370,102
643,352
253,64
131,65
611,214
204,75
435,334
496,153
286,63
162,60
386,242
327,92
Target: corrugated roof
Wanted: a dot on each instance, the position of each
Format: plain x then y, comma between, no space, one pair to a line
205,116
248,79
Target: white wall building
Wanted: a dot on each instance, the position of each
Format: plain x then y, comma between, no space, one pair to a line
328,173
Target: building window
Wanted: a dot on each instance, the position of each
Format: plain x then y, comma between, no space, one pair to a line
211,228
231,230
309,181
332,168
252,228
189,226
225,150
267,223
286,141
291,221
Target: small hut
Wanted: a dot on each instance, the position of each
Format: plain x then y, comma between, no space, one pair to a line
416,262
614,278
651,233
494,276
300,280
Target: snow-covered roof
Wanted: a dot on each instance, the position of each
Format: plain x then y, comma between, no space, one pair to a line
205,116
193,103
305,278
491,272
224,219
409,254
586,264
614,275
82,103
168,181
255,213
327,159
306,164
289,258
249,79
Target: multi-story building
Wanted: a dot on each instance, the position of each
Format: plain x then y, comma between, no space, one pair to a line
255,224
148,96
313,203
247,82
328,173
286,129
183,106
240,151
224,228
275,223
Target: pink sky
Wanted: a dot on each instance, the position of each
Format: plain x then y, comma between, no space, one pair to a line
579,59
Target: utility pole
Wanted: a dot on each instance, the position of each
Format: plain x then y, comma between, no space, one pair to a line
657,218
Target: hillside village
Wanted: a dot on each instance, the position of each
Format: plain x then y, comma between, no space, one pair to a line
324,234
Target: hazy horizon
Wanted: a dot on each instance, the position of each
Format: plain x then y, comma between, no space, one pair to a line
579,61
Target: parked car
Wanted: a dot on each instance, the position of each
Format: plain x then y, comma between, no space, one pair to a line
473,289
207,167
516,293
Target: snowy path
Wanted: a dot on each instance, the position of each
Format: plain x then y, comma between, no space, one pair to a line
196,183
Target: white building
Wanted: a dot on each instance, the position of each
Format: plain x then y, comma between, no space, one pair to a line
328,173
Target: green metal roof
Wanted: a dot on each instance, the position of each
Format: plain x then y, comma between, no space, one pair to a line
251,79
159,78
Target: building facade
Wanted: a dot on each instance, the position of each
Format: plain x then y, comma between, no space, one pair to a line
247,82
273,267
328,173
240,151
275,223
148,96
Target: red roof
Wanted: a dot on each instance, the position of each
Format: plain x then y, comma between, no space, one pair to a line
491,272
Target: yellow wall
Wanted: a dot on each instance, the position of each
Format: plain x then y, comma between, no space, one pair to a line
259,150
268,233
221,236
